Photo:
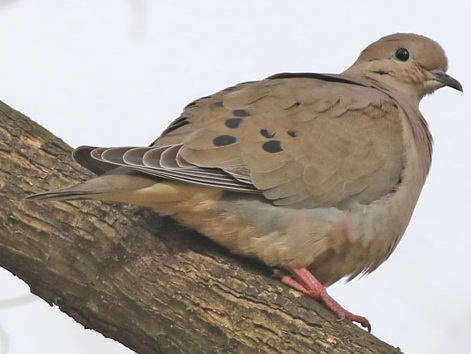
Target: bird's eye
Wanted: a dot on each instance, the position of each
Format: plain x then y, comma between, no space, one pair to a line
402,54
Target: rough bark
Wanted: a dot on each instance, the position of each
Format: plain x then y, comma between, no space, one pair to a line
142,279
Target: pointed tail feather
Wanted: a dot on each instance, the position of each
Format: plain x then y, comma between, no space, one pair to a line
106,187
62,194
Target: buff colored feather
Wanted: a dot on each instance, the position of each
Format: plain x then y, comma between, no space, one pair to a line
315,173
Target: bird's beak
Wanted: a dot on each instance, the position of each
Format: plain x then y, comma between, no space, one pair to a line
447,80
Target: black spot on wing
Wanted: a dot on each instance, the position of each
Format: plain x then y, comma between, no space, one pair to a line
265,133
292,133
272,146
223,140
232,123
240,113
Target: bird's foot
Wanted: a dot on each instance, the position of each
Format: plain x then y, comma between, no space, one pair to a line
305,282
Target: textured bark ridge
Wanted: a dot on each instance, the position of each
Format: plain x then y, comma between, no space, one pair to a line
142,279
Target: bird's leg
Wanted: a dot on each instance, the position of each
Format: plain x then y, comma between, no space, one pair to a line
305,282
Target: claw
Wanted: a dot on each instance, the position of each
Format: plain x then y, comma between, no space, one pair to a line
306,283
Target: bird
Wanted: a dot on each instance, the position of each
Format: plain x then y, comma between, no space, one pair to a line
316,174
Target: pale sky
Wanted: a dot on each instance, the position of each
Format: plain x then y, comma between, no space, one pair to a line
112,73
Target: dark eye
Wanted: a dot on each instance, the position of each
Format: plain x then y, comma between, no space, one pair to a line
402,54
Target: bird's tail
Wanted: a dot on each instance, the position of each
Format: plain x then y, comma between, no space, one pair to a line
112,186
68,193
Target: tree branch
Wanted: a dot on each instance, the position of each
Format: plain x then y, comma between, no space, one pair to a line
142,279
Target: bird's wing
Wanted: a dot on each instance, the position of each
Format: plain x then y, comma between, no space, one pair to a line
303,140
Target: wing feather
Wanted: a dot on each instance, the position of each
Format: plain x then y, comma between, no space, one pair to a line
301,141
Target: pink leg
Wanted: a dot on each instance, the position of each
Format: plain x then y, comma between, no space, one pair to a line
306,283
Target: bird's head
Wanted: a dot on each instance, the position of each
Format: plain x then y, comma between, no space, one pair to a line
413,64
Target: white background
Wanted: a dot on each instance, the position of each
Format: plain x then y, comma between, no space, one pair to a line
117,72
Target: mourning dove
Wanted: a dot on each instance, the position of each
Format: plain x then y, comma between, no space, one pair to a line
316,173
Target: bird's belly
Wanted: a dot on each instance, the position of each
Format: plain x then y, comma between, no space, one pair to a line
332,243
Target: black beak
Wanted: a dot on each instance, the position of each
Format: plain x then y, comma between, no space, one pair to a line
447,80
